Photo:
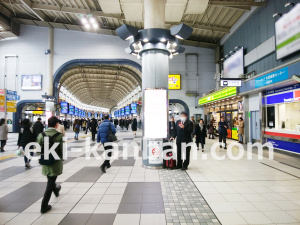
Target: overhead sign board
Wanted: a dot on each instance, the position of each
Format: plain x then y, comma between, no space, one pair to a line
223,93
231,83
11,109
1,91
234,65
287,33
11,104
271,78
174,81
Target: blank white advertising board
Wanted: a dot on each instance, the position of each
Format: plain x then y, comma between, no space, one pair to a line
155,113
234,65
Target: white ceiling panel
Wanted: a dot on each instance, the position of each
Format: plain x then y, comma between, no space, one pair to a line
196,6
174,10
110,6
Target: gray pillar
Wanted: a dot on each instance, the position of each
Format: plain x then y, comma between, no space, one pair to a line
49,85
155,73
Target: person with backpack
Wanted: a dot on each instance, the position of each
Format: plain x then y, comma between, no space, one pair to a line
52,167
76,128
103,137
25,137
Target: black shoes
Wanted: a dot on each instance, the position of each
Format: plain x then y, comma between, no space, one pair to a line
56,192
183,168
46,209
220,146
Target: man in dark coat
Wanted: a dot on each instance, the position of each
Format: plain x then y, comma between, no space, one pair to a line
172,128
38,128
184,130
134,126
222,131
116,122
93,128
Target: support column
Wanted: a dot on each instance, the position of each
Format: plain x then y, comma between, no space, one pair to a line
155,73
50,62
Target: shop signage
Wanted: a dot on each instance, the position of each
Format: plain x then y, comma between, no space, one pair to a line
285,145
1,91
284,89
2,108
11,109
234,65
231,83
38,112
2,97
9,92
174,81
223,93
291,96
11,104
2,103
271,78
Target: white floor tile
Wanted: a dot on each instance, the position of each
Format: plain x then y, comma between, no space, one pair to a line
255,218
24,219
150,219
280,217
49,219
5,217
231,219
123,219
106,208
84,208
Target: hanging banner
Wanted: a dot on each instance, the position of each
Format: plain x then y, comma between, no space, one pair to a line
2,97
11,109
11,104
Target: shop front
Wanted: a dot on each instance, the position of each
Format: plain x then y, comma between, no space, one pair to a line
227,103
282,120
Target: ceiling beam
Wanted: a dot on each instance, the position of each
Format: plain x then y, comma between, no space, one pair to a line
28,5
237,3
66,9
203,27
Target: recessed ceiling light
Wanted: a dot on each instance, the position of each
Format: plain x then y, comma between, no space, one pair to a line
163,40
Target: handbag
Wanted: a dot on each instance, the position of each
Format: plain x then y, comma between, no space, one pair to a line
19,152
111,136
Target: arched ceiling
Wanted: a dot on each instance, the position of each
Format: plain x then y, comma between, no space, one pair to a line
101,85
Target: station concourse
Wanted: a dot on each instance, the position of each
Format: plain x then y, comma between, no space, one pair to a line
153,112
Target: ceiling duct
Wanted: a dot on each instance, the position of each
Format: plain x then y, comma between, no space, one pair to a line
110,7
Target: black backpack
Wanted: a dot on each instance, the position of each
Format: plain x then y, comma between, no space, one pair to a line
111,136
51,159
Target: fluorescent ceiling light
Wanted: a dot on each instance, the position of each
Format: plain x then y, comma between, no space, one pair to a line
84,20
179,37
95,25
87,26
92,20
145,40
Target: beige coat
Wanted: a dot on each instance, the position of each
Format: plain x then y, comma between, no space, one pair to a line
61,129
241,127
3,132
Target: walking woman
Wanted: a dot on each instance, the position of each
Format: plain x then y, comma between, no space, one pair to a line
76,128
200,134
134,126
3,133
241,130
26,136
211,129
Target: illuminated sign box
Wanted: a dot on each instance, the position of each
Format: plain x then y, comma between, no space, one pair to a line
234,65
174,82
64,107
224,93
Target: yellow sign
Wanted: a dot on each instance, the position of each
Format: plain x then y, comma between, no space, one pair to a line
2,97
38,112
174,82
11,104
2,103
11,109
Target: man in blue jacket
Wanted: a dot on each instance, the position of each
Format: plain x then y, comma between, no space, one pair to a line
222,131
102,136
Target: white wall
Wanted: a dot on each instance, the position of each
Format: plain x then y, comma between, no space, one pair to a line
68,45
254,102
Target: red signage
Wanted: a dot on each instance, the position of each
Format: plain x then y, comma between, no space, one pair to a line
297,96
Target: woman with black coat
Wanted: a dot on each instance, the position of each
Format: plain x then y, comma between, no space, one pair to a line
200,134
134,126
26,136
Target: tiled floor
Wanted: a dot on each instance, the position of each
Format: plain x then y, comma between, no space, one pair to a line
210,192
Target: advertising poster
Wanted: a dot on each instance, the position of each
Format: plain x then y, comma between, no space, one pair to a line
287,33
174,82
155,152
31,82
64,107
133,108
234,65
228,120
240,106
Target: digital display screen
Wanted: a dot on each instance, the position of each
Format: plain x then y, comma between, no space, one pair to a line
122,112
89,114
133,108
76,111
101,115
234,65
31,82
287,33
96,115
64,107
79,112
71,110
127,110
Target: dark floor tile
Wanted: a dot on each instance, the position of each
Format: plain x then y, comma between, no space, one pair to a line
122,162
152,184
101,219
129,199
129,208
86,174
152,191
133,191
152,208
75,219
7,159
16,207
152,199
